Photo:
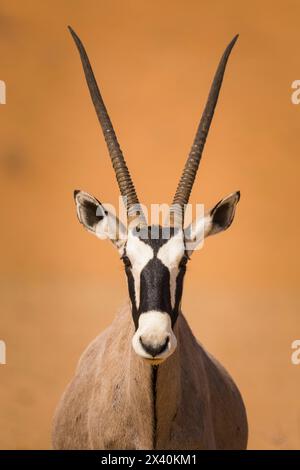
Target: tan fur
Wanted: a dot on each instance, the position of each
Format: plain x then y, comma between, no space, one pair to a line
112,402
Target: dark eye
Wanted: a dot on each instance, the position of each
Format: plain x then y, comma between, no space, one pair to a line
183,262
126,261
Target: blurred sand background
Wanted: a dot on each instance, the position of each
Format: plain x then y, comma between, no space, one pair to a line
154,62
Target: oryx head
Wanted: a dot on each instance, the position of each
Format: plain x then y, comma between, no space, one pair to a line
154,258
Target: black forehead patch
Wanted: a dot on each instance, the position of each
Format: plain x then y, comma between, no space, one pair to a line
155,235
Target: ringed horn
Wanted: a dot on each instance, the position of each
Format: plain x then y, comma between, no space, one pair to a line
188,176
124,180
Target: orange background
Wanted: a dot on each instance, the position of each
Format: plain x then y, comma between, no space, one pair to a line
154,62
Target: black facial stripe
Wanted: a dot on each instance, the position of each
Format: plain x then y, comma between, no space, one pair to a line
155,293
179,289
155,288
131,289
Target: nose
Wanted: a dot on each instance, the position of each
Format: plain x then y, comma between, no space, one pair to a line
155,350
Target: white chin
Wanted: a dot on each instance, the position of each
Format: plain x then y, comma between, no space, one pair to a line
154,327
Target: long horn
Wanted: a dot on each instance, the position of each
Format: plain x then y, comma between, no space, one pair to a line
188,176
122,173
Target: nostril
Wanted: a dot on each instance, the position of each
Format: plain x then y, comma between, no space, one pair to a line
157,349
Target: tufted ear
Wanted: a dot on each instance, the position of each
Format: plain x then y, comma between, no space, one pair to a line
98,220
216,220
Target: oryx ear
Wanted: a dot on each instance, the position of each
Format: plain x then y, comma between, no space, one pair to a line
216,220
98,220
222,215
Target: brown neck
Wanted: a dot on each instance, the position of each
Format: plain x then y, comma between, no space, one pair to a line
158,399
163,394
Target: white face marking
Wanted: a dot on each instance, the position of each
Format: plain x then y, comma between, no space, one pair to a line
170,255
154,328
139,254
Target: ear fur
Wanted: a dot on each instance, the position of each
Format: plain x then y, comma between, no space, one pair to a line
89,210
219,218
97,220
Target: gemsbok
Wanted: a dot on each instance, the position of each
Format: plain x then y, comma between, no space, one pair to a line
146,382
